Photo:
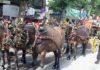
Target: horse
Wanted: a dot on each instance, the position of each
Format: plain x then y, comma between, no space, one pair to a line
2,33
50,40
23,39
9,50
77,36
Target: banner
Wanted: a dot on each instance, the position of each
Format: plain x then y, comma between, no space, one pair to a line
10,10
74,13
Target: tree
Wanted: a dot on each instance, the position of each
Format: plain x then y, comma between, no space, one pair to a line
92,6
95,6
58,5
38,4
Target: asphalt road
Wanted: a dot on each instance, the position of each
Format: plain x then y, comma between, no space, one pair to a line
64,64
48,64
28,66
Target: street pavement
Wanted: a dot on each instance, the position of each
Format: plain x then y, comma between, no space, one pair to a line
81,63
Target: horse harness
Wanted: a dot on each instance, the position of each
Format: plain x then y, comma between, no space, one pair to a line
43,36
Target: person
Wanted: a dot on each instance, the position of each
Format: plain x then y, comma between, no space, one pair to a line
30,12
83,14
66,22
94,16
88,23
73,21
1,20
94,23
98,54
7,23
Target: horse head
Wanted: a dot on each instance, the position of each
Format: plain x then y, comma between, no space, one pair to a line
17,37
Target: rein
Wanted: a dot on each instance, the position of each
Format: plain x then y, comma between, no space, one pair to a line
36,37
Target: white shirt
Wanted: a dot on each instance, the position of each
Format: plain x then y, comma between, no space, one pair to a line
30,11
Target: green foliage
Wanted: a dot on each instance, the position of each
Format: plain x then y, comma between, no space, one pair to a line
32,2
58,5
95,6
92,6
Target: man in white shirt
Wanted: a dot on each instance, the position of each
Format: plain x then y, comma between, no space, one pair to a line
83,14
30,11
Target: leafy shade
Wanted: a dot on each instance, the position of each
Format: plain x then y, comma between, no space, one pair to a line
92,6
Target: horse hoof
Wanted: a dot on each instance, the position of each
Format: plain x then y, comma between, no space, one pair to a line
34,64
23,61
74,57
97,62
17,68
84,55
68,58
9,67
54,67
42,65
3,67
58,68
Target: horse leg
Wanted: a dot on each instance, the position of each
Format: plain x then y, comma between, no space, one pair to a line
3,57
54,66
8,59
74,51
43,53
69,52
24,56
67,49
35,55
58,61
16,60
57,56
83,48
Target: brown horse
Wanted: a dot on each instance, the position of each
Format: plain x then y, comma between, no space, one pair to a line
23,39
8,49
51,40
77,36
